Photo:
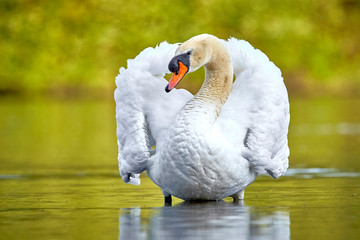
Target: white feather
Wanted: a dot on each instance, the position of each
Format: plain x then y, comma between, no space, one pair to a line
144,110
249,136
257,111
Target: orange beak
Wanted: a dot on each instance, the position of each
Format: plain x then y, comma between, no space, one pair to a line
175,79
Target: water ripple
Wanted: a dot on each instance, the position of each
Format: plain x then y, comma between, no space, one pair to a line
10,176
58,175
324,129
292,172
320,172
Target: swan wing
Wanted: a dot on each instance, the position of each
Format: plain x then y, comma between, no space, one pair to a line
255,118
144,110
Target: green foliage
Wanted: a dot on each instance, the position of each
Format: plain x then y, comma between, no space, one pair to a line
51,45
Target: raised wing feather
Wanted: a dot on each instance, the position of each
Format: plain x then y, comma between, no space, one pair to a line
256,115
144,110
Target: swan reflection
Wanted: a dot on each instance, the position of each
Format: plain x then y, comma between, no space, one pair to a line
206,220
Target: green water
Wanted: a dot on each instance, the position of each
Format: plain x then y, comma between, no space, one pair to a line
59,180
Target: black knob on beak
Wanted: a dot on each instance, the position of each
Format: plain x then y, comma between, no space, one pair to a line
174,63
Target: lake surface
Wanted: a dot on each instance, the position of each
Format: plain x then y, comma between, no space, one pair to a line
59,180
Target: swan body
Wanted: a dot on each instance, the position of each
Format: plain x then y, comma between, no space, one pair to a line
211,145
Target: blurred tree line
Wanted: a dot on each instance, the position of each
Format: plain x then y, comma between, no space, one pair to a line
77,46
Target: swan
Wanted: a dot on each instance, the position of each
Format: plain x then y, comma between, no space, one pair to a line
211,145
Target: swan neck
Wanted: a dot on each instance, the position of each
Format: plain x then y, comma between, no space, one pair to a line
206,105
218,79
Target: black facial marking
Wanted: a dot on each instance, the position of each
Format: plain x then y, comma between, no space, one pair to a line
174,63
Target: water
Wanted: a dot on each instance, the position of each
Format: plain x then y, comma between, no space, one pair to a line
59,180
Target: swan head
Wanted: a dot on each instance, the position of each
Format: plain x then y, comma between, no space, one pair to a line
189,57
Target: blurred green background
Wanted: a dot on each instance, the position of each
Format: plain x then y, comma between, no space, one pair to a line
75,47
58,154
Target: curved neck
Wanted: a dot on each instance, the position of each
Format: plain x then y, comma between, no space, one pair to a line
202,111
218,79
197,117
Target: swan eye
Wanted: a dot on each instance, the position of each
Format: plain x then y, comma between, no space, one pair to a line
188,53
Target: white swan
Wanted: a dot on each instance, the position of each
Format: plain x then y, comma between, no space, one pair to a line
211,145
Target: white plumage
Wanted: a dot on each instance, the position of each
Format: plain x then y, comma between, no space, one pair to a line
206,147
